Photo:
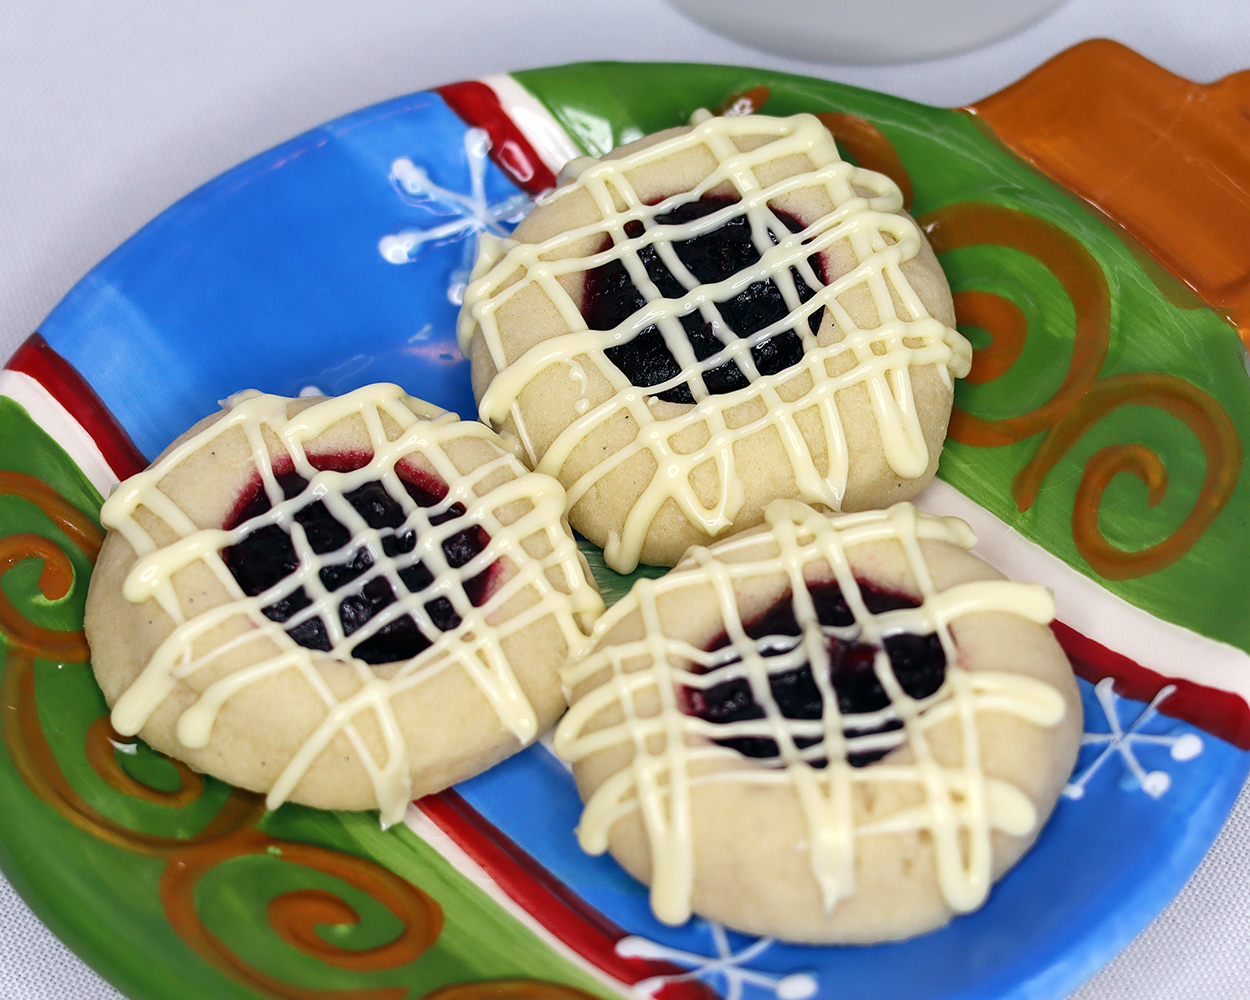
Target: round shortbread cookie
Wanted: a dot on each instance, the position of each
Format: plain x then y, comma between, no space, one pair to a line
709,319
825,729
347,602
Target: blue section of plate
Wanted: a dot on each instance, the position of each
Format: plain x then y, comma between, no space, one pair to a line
270,277
1106,863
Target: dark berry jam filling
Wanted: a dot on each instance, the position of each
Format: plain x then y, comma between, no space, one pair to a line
267,555
611,298
918,661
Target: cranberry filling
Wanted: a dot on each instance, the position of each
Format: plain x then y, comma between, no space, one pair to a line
918,661
267,555
611,298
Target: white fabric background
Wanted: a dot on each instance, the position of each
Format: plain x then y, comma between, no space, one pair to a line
112,109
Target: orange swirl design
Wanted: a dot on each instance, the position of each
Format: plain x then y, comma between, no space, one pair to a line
1214,430
1006,324
54,583
82,530
745,102
101,747
294,915
20,727
1084,397
869,147
58,572
37,764
972,223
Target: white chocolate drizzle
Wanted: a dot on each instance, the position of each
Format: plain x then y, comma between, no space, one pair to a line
672,751
554,580
880,359
578,374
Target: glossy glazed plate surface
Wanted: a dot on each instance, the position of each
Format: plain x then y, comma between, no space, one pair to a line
276,276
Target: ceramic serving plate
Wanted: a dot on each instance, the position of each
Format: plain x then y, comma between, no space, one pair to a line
1105,318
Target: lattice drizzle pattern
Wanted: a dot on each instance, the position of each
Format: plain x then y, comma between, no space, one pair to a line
673,752
880,358
473,646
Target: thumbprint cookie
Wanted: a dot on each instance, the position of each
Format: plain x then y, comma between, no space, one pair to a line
709,319
826,729
346,602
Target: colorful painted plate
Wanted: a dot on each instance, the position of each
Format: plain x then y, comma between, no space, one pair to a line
336,260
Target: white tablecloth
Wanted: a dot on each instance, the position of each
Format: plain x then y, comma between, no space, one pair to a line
112,109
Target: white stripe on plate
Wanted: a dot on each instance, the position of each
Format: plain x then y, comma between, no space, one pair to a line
429,831
60,425
1161,646
536,123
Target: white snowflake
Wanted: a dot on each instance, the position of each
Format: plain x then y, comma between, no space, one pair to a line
470,213
726,963
1184,747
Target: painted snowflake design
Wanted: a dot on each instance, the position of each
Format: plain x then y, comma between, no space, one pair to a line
466,215
728,965
1121,741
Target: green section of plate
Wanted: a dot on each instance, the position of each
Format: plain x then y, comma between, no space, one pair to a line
29,451
104,901
613,585
951,160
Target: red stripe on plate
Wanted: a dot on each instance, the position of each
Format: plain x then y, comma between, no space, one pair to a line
36,359
1220,713
477,105
548,900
